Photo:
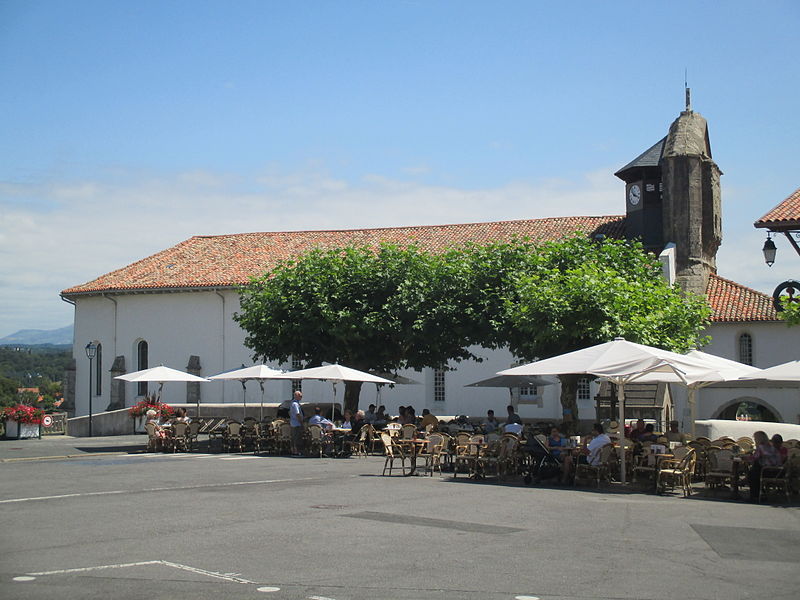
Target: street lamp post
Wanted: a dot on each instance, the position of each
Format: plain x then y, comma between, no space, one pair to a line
91,352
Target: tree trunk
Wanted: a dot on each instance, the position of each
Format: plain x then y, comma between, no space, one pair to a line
569,403
352,390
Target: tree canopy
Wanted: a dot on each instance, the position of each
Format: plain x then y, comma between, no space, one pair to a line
395,307
371,309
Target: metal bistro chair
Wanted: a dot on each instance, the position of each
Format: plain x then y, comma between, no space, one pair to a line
193,434
316,440
153,438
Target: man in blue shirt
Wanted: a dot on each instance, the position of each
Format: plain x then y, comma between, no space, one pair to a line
296,422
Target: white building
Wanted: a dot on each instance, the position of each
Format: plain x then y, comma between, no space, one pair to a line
176,307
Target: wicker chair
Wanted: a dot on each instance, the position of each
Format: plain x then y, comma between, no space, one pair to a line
719,472
675,472
154,440
193,434
500,456
599,472
393,452
315,440
774,479
469,456
232,437
179,437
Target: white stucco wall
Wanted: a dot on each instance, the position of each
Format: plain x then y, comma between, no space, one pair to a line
178,325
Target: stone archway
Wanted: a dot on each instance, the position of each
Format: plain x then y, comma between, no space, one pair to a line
768,412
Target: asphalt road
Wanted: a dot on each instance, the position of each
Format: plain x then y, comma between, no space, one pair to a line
219,526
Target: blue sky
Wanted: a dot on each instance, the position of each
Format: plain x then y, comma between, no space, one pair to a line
130,126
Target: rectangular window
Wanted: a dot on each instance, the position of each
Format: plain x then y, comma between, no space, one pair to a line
584,391
528,392
297,384
438,385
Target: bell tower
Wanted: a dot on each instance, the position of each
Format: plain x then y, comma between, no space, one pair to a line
672,194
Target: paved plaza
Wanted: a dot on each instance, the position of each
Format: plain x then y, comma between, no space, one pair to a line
95,518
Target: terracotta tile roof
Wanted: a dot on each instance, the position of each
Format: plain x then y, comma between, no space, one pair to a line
784,216
733,302
229,260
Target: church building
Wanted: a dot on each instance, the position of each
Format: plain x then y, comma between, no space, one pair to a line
176,307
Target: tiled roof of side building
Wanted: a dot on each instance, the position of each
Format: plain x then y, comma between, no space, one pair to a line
230,260
733,302
786,214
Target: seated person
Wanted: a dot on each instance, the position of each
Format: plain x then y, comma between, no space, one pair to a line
598,440
370,415
515,428
428,419
648,435
347,422
637,431
674,434
490,423
463,424
777,442
318,419
765,455
180,415
555,442
381,418
513,417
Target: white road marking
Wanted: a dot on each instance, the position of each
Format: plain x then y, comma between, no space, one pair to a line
268,588
224,576
319,598
526,597
158,489
23,578
237,457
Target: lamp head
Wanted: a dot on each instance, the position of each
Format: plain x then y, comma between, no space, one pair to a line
91,350
769,251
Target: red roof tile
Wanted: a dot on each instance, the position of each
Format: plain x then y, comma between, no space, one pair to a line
229,260
784,216
733,302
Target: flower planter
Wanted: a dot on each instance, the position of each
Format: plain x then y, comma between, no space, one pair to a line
138,424
15,430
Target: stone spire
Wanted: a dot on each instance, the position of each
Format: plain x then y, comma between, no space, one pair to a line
692,211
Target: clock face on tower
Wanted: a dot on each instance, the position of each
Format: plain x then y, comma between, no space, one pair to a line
634,194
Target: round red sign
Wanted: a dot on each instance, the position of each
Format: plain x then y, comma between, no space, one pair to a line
47,420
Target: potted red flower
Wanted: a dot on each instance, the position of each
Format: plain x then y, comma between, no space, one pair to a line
22,421
139,411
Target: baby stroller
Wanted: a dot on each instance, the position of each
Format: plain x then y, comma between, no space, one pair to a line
540,462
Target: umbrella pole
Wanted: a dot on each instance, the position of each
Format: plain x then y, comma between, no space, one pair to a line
244,399
621,408
333,406
261,411
693,408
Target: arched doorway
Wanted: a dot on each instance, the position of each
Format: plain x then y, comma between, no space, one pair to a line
752,409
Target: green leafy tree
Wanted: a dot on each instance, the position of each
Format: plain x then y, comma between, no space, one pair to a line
370,309
576,293
791,311
8,391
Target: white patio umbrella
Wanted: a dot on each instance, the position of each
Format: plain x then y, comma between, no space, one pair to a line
620,362
723,370
334,373
245,374
786,372
511,382
162,374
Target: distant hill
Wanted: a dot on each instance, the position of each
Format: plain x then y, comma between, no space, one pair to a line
35,337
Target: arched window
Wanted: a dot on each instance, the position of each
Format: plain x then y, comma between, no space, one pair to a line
98,374
746,349
141,364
